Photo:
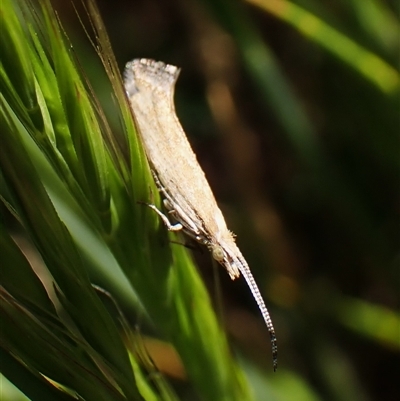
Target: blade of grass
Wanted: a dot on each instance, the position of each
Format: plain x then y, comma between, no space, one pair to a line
372,321
366,63
57,249
82,370
22,282
35,388
372,16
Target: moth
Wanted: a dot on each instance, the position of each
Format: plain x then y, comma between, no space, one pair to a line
186,194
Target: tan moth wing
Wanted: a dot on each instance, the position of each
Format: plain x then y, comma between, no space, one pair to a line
150,87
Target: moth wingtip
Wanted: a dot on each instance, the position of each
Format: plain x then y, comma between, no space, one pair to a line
153,73
129,80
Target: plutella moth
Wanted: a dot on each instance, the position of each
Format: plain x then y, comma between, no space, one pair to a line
187,196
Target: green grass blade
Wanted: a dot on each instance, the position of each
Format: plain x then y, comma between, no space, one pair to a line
35,388
57,248
17,276
366,63
372,16
371,321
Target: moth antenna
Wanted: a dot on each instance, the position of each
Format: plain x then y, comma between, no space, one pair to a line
248,276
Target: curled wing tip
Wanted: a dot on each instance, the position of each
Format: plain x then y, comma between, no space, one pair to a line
150,73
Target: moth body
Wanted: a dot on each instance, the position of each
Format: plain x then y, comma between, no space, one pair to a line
187,195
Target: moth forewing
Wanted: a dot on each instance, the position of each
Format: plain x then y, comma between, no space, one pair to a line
187,195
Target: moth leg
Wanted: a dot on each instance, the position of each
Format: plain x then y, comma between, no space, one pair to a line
164,218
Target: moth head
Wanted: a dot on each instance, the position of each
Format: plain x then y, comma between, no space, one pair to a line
218,253
222,256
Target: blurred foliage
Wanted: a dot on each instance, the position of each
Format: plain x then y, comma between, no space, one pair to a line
293,110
